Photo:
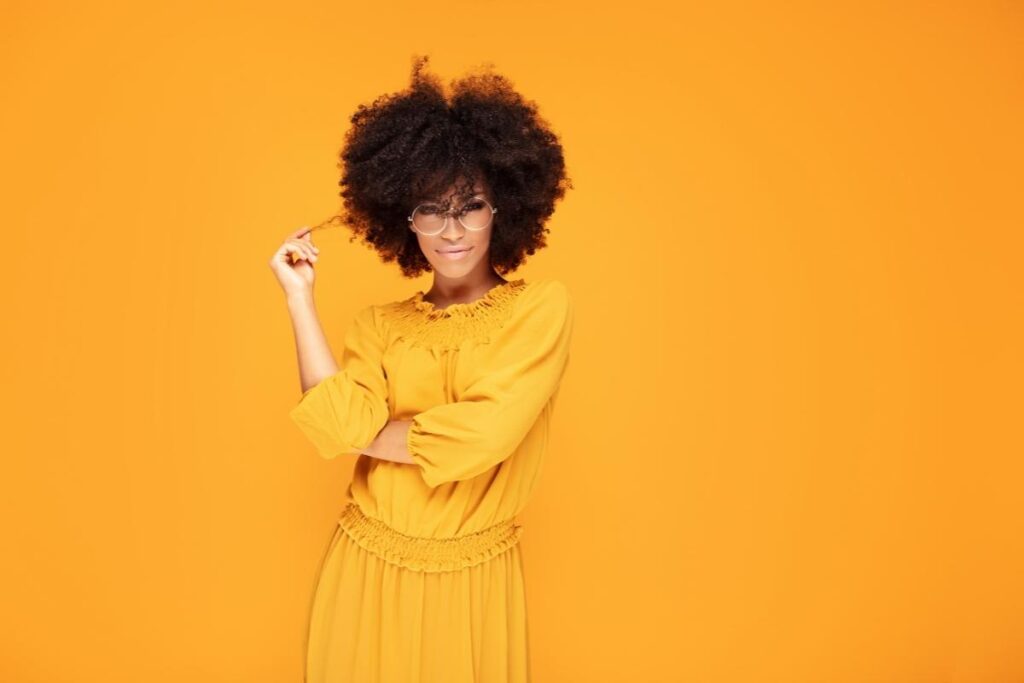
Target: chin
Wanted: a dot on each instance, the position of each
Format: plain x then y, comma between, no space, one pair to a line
454,271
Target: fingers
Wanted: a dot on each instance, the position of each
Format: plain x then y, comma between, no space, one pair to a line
290,253
302,250
302,239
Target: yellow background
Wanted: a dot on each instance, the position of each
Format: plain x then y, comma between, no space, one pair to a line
788,447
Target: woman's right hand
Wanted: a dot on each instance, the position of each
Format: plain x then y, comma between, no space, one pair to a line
297,277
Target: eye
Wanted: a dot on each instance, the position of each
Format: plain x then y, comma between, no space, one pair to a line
473,206
429,209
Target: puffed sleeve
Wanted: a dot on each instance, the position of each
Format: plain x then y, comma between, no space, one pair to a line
344,412
521,370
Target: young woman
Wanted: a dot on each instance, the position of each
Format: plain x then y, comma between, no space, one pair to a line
445,397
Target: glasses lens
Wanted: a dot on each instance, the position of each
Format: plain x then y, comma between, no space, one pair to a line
476,214
429,218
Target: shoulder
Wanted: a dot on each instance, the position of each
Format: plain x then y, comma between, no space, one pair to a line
382,310
548,294
546,302
370,317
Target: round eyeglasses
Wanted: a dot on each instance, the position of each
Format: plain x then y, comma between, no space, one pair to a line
431,219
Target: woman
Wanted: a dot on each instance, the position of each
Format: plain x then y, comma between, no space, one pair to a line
445,397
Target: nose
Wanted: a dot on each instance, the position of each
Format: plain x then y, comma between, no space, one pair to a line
453,227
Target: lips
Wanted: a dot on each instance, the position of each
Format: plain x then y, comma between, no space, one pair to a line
456,254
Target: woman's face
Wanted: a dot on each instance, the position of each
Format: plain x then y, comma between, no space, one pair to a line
457,251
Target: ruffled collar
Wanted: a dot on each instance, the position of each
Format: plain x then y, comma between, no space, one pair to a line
495,296
423,323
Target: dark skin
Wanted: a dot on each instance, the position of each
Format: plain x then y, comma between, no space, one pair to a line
480,128
459,280
470,277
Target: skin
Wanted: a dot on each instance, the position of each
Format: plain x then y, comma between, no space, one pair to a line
470,277
455,281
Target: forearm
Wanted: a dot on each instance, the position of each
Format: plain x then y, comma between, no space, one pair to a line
316,361
390,443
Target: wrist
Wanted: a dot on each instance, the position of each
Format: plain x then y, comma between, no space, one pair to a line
300,299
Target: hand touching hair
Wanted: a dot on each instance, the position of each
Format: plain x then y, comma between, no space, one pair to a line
414,144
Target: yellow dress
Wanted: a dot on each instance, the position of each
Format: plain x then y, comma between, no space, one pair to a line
423,577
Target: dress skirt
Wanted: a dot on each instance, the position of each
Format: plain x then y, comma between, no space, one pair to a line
392,608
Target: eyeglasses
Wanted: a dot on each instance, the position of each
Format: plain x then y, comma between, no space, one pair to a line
430,219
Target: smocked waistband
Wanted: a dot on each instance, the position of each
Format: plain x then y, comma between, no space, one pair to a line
428,554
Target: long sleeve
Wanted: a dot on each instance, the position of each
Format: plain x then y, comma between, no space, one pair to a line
343,413
520,371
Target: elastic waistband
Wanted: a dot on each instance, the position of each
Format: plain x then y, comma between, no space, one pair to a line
428,554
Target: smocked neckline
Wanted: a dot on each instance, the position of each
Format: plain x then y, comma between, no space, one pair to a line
422,323
495,295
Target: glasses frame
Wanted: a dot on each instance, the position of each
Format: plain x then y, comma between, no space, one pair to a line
448,214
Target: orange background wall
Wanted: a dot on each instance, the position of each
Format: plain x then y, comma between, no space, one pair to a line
788,447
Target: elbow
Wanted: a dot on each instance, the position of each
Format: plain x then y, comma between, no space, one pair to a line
349,434
374,418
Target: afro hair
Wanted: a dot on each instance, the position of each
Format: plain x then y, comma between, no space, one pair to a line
411,145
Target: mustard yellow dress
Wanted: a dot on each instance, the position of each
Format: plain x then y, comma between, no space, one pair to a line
423,577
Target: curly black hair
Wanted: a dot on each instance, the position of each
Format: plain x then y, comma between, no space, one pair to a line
416,143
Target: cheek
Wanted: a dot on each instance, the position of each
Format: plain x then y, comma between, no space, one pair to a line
427,246
482,241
